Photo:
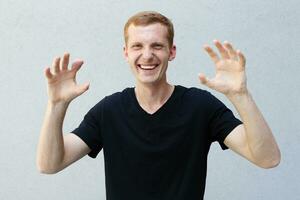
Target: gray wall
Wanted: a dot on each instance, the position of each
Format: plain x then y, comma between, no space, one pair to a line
33,32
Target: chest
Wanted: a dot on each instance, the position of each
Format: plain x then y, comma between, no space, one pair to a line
162,138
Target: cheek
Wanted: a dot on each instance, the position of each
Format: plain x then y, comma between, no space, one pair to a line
163,54
132,61
165,57
133,56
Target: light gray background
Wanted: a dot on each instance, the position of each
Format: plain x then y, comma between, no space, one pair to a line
33,32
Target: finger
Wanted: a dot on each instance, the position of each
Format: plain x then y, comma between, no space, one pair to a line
204,80
82,88
65,61
242,59
215,58
221,49
76,65
231,51
55,65
48,73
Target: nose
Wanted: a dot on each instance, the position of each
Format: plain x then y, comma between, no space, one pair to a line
147,54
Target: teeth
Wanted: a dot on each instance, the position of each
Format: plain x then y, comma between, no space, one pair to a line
147,66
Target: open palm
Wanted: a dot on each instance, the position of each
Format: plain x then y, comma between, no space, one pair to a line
62,86
230,77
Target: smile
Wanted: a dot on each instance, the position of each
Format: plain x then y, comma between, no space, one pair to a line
147,67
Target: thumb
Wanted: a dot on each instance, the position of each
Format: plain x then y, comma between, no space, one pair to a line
82,88
204,80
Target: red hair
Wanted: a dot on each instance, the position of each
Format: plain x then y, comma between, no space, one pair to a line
147,18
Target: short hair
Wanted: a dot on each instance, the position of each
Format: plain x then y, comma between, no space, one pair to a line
147,18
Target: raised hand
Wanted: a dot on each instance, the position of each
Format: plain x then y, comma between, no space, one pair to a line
230,78
62,86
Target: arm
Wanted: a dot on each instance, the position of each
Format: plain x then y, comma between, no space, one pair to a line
56,151
255,134
254,139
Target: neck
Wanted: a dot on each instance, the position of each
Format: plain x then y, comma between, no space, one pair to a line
152,97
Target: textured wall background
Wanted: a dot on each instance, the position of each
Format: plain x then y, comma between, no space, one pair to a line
33,32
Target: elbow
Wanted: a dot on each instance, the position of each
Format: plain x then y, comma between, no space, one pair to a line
44,169
271,163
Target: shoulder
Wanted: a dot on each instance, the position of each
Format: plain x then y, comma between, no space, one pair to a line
114,99
196,94
199,99
117,97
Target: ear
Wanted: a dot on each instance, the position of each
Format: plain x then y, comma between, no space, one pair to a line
125,52
172,52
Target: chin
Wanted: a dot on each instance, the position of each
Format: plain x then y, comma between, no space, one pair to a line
149,80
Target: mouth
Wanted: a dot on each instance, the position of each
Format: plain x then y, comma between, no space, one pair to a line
147,66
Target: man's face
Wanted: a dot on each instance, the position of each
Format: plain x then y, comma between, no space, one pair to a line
147,51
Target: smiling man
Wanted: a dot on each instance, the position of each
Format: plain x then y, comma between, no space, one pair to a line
148,51
155,136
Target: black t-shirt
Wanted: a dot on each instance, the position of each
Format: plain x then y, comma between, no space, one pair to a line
160,156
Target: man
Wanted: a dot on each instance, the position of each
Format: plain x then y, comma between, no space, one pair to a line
155,136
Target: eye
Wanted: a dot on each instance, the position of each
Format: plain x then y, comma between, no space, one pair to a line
158,46
136,46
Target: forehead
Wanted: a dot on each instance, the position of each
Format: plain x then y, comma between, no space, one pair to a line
149,33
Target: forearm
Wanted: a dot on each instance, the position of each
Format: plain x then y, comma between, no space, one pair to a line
260,139
50,151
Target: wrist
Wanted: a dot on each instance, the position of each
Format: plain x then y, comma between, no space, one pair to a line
56,111
239,97
57,104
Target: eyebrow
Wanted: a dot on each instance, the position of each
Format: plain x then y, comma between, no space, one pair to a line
152,45
135,43
157,43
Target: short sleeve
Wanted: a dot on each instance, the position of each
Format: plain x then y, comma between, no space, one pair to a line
89,129
221,121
